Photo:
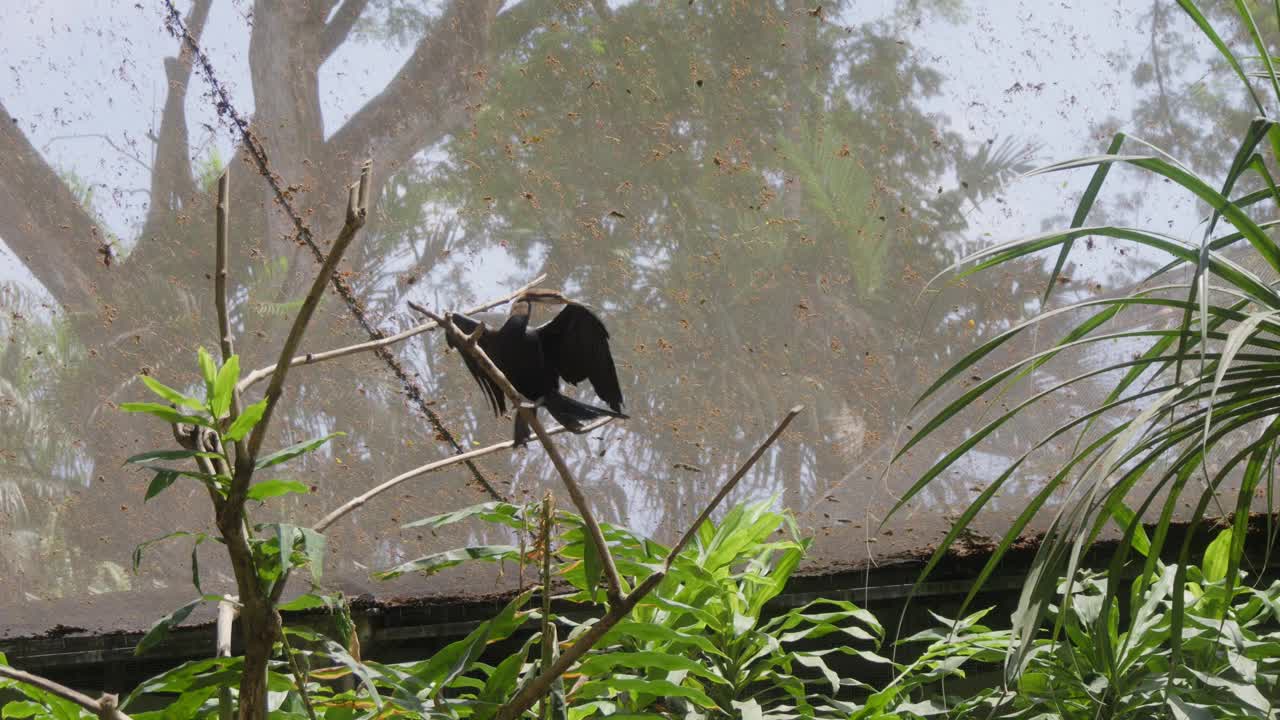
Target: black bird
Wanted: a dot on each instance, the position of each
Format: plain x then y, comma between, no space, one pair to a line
574,346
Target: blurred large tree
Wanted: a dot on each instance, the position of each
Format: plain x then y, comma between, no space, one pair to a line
752,191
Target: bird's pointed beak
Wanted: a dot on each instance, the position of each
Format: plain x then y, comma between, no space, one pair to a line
543,295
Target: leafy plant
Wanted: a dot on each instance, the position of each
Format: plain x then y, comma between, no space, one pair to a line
1197,397
707,630
1103,666
702,644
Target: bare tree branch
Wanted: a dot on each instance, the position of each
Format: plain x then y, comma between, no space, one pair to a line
104,138
428,95
104,707
45,225
357,211
541,685
469,346
311,358
732,483
358,501
337,29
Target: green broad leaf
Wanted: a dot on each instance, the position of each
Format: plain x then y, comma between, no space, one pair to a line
286,535
249,417
166,413
659,688
813,661
208,370
224,386
294,451
1217,557
22,709
202,477
593,567
169,455
137,551
160,483
313,546
160,629
168,393
439,561
499,512
308,601
339,653
1125,518
276,488
604,664
186,705
501,683
671,638
197,675
458,657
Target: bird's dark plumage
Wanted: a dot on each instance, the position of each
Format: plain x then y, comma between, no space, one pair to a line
573,346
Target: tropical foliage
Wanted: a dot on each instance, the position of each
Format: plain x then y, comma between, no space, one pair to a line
1188,428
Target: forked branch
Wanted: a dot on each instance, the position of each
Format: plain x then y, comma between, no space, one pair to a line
541,685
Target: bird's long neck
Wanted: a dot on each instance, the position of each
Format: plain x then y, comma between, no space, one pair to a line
520,311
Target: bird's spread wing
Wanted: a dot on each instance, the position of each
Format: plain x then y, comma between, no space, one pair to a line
492,393
577,344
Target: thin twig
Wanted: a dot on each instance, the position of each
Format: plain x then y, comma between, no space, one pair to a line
358,501
105,138
106,706
731,484
225,339
356,215
540,685
311,358
469,345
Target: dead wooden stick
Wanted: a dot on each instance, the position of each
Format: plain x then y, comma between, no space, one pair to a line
358,501
541,685
469,345
105,707
731,484
312,358
227,611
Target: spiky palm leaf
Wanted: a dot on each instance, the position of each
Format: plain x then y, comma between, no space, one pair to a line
1197,407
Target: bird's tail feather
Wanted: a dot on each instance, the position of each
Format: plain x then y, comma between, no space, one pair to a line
573,414
570,413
